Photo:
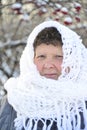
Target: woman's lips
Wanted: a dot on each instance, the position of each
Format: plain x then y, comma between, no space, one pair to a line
52,76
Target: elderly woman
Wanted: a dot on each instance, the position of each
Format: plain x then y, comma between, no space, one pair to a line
51,90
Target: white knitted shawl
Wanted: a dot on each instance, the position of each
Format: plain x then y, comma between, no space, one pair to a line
35,98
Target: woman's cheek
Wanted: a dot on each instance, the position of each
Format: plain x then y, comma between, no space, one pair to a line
39,66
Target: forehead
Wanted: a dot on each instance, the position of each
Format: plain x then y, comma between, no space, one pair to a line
48,48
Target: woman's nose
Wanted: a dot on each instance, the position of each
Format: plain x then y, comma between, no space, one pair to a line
48,65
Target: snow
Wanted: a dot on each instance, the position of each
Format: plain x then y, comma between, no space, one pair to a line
68,19
58,6
16,6
77,4
44,9
25,17
64,10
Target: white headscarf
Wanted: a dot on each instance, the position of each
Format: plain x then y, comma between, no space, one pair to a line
35,97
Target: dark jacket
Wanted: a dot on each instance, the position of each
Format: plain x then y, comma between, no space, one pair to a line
7,116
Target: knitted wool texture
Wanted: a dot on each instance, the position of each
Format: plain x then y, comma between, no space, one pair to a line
36,98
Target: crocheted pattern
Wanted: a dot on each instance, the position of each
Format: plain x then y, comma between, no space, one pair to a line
36,98
73,50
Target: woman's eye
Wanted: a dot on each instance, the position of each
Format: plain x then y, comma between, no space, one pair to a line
59,57
41,56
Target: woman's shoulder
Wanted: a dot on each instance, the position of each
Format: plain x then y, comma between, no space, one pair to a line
7,115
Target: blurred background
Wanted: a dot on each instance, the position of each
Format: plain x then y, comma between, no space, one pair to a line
19,17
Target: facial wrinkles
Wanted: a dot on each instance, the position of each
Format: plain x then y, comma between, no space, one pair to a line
47,61
51,67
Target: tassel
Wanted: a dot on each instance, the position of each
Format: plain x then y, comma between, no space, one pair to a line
64,116
18,123
50,125
59,120
35,126
77,127
44,124
85,114
69,126
58,116
29,125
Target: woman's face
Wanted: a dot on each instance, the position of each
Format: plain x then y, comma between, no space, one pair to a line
48,60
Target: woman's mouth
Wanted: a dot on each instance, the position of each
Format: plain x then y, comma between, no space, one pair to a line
51,76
